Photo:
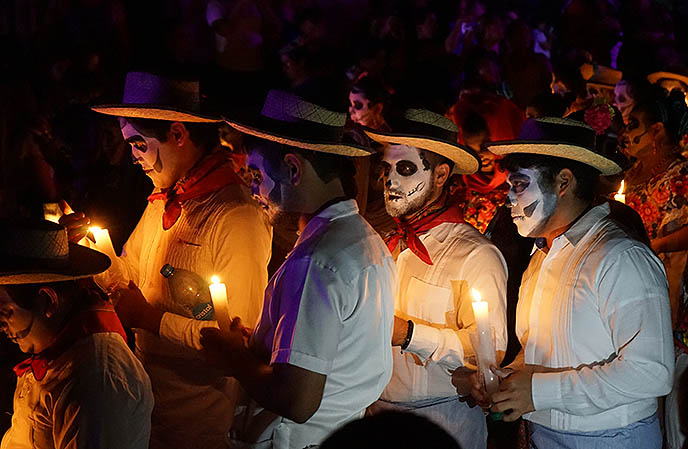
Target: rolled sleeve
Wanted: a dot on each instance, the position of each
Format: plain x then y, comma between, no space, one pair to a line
424,341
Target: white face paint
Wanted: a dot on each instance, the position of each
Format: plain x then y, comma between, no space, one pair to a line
265,189
531,207
160,161
408,183
623,99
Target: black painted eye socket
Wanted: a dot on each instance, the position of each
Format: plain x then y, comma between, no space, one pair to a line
406,168
632,124
357,105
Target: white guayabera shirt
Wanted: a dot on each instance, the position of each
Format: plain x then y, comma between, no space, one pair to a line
596,307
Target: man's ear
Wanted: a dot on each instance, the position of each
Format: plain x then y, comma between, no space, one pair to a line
564,182
178,133
52,301
441,175
294,168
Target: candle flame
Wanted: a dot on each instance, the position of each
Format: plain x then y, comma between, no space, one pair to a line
476,295
95,229
621,189
215,280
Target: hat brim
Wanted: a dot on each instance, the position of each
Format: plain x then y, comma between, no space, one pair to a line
556,149
263,131
466,162
654,77
83,263
155,112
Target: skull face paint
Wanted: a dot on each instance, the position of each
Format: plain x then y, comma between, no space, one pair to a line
531,207
408,180
623,99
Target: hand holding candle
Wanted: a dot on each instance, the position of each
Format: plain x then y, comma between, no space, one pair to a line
218,293
485,350
620,196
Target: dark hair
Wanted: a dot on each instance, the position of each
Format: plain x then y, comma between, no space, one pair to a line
474,124
81,291
432,160
372,88
668,108
327,166
586,176
549,105
383,430
205,135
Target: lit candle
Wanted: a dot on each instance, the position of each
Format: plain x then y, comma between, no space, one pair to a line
102,241
620,197
485,352
218,293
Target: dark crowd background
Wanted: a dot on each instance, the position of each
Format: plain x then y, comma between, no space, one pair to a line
59,57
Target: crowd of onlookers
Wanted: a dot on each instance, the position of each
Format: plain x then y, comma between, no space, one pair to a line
620,66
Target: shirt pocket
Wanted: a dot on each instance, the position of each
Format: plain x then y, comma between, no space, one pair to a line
428,302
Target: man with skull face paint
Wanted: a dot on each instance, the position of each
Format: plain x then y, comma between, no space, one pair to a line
320,352
593,313
441,259
200,218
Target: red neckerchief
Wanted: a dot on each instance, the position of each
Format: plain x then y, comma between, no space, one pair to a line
421,222
88,322
478,183
209,175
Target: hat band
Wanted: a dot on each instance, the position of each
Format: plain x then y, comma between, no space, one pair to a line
305,131
426,130
556,133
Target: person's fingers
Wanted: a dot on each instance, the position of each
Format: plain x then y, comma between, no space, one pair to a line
510,415
236,323
65,207
502,406
501,372
209,333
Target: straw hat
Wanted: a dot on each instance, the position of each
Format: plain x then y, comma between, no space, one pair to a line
153,97
291,120
659,76
38,251
558,137
433,132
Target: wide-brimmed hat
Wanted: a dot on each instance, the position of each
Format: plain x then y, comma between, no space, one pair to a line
151,96
38,251
288,119
680,75
433,132
558,137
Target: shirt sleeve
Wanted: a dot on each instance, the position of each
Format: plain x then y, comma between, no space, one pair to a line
240,245
310,310
633,300
484,270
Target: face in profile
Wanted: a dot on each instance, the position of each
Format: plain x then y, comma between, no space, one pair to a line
158,160
636,139
487,158
531,206
408,180
265,187
17,323
363,112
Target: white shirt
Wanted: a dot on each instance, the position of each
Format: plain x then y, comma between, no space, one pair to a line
95,395
437,299
596,305
225,234
329,309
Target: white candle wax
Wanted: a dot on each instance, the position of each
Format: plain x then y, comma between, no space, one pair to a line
218,293
485,351
103,242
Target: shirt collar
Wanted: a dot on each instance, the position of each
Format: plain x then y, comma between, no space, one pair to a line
581,227
441,232
337,210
